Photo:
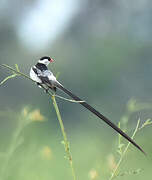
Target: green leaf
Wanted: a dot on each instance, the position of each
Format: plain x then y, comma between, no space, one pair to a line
9,77
121,145
146,123
17,68
57,75
63,142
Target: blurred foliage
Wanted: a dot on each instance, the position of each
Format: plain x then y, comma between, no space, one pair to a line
23,159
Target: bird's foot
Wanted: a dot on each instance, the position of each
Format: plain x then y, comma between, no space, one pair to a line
47,90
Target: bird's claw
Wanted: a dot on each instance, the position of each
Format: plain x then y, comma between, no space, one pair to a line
47,90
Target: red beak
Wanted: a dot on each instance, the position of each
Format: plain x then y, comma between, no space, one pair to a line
51,60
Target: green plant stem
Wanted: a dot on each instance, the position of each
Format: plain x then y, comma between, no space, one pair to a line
17,72
124,152
66,143
7,78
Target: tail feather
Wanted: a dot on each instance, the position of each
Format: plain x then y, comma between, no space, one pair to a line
106,120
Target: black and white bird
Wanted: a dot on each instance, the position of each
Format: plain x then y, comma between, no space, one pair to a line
45,78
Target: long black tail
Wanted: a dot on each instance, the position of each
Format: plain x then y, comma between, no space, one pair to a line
90,108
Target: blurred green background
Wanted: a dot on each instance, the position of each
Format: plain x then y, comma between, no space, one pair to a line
102,50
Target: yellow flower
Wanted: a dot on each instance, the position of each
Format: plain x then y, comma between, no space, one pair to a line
25,111
36,116
93,174
132,105
46,152
111,162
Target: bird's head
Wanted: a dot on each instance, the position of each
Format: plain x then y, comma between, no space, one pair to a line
45,60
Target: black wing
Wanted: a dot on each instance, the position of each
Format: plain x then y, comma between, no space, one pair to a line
45,80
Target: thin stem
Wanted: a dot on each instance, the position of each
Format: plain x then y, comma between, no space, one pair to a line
17,72
7,78
66,143
124,152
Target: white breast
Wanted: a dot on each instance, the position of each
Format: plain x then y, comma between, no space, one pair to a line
34,76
